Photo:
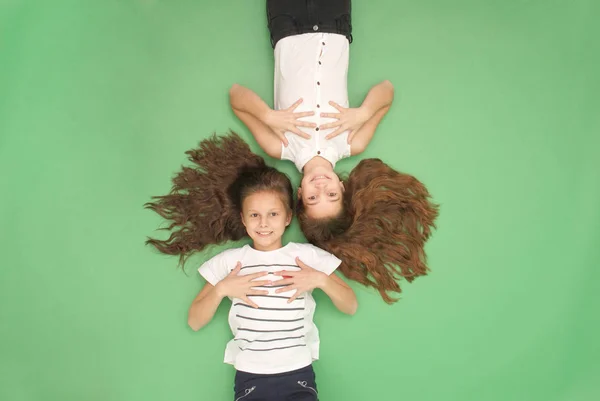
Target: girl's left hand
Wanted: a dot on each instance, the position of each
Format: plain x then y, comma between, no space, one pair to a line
350,119
303,280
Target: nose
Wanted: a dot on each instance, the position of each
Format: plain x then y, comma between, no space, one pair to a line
321,184
263,221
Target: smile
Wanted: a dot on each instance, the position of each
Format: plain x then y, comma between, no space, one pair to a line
320,177
264,233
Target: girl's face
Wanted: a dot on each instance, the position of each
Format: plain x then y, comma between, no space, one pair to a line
265,217
321,192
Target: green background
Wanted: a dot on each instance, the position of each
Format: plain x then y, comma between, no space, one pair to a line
496,110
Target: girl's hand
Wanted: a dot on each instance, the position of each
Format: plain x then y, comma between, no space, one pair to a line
236,286
350,119
281,121
304,280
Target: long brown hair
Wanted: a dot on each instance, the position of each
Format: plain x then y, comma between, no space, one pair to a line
205,201
381,231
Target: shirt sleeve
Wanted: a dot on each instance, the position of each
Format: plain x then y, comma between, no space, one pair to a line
323,261
215,269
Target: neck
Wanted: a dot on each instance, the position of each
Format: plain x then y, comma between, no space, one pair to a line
317,162
272,247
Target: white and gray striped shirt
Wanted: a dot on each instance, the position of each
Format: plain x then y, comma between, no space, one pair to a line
278,336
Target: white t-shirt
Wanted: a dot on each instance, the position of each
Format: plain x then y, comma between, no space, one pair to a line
314,67
278,336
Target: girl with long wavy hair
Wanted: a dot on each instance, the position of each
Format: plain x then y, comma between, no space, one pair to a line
230,194
378,221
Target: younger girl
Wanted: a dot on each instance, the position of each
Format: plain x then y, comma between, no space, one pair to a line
232,194
377,222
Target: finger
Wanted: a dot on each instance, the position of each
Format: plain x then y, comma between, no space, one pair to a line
300,133
337,106
285,273
301,114
283,139
248,302
351,136
285,289
305,124
236,269
336,133
285,281
301,264
293,297
260,283
257,292
298,102
256,275
332,115
331,125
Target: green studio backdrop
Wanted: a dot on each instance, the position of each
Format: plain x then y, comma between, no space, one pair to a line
496,110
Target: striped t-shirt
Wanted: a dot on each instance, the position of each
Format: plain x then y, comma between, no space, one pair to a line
278,336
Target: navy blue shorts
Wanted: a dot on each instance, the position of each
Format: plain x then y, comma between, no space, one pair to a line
295,17
297,385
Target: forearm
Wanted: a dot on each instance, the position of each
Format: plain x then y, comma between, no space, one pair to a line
342,296
379,97
246,101
203,309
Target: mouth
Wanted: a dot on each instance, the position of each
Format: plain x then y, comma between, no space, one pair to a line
320,178
264,233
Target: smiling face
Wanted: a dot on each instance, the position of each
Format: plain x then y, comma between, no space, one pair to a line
321,192
265,217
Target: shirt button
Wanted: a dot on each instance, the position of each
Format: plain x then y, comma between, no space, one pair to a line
319,63
318,106
315,27
318,152
318,83
316,129
323,43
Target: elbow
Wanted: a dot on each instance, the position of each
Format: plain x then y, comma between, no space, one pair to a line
193,325
233,91
390,89
352,307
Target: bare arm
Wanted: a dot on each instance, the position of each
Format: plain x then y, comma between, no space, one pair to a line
207,301
376,105
307,279
361,121
203,307
268,126
342,296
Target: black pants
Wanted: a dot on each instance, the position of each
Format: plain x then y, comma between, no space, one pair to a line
298,385
295,17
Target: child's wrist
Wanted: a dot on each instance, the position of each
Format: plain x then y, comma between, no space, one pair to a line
220,292
366,112
322,280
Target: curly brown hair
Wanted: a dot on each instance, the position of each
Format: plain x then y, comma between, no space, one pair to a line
204,204
381,231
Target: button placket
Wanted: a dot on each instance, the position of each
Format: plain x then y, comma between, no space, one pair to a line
318,89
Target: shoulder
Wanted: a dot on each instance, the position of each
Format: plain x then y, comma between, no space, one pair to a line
226,256
309,249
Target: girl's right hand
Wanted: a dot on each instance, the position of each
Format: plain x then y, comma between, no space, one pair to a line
281,121
236,286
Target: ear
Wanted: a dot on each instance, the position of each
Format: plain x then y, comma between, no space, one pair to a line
242,217
288,219
299,192
342,186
